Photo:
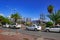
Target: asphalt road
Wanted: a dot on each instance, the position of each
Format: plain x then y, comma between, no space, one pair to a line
36,33
42,34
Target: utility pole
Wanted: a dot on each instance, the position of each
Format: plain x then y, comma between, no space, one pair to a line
42,18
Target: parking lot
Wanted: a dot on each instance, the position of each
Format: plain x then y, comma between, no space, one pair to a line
35,33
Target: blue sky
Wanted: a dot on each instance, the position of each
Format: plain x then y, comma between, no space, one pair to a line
27,8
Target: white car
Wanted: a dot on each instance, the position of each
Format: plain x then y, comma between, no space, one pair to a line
15,26
33,27
53,29
6,26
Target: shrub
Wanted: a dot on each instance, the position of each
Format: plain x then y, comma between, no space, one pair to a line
49,24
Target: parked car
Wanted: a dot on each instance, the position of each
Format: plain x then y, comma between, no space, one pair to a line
33,27
52,29
15,26
5,25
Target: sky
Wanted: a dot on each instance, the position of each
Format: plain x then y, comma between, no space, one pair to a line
27,8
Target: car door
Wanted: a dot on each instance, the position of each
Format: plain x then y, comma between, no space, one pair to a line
52,29
32,27
29,27
55,29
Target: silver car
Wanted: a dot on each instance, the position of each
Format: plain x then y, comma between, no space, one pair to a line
33,27
15,26
53,29
6,26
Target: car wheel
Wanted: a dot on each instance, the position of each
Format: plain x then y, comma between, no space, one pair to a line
35,29
14,27
59,31
47,30
26,28
9,26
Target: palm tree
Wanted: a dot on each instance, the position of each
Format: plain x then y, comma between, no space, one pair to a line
55,17
16,16
50,9
1,18
6,20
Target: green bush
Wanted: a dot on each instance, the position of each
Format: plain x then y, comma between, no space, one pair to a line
49,24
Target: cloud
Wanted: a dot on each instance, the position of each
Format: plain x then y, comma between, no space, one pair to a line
35,19
1,14
9,16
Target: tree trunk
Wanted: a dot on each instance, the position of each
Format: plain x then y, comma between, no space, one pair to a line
54,24
15,20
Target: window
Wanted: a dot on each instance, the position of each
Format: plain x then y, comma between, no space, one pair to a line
58,26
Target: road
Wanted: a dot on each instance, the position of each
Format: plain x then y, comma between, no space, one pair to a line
42,34
36,33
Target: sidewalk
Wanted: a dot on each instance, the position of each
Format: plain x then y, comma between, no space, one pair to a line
6,35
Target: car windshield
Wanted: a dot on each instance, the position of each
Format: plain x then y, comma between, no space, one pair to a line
33,25
57,26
